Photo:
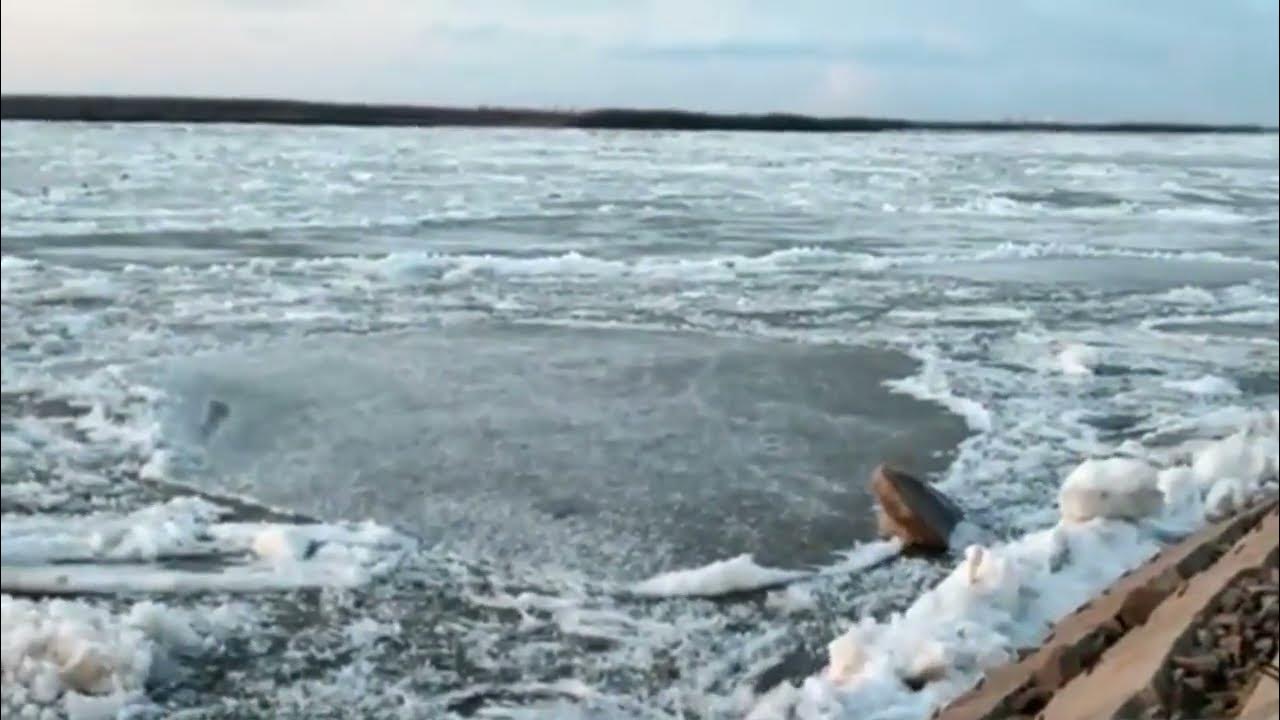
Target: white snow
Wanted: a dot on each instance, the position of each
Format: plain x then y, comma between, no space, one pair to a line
722,577
1242,455
1111,488
51,554
92,663
1228,496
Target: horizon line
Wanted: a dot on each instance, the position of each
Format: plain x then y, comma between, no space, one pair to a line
65,107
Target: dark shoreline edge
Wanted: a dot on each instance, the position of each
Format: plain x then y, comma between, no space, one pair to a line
121,109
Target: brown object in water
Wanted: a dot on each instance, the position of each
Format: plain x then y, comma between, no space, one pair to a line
912,511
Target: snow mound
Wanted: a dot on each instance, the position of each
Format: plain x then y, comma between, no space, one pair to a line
88,662
1110,488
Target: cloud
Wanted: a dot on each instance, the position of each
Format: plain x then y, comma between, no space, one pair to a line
845,88
1084,59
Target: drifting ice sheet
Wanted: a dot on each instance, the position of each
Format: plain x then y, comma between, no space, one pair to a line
722,577
49,554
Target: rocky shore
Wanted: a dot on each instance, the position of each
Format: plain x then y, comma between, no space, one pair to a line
1190,635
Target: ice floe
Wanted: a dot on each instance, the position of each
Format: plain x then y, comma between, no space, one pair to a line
105,553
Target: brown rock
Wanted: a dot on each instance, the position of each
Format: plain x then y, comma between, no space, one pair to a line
912,511
1226,620
1269,609
1196,663
1233,645
1265,646
1262,589
1029,700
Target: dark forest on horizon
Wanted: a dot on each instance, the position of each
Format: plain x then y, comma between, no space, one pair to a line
86,108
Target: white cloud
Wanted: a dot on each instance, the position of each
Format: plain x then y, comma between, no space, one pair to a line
937,58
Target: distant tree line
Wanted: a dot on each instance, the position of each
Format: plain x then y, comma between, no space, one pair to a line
87,108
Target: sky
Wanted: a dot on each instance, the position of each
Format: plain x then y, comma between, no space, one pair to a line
1093,60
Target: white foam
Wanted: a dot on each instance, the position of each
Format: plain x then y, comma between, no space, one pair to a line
1200,214
413,266
864,556
962,314
791,599
739,574
931,383
1028,251
15,264
1188,295
1205,385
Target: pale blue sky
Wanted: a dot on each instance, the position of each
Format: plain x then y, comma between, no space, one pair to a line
1192,60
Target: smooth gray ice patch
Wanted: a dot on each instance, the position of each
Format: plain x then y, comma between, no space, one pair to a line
614,452
1267,331
1112,274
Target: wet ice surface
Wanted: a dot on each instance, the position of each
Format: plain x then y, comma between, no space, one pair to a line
613,451
573,365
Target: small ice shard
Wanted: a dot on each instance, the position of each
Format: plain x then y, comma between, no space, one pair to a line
282,544
846,656
738,574
1077,359
973,556
1059,550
